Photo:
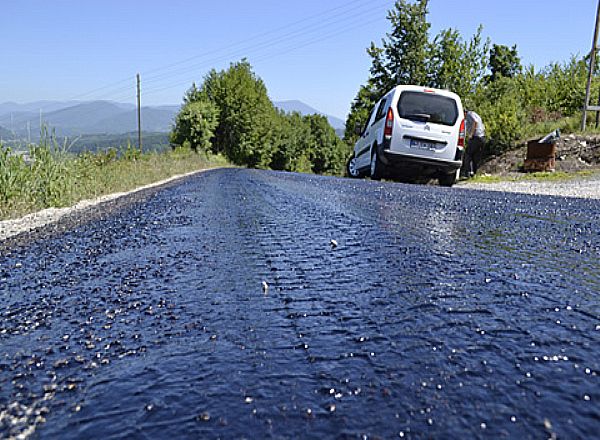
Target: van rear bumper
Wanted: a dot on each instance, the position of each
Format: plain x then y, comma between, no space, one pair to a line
392,158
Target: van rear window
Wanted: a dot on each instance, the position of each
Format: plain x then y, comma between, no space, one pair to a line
428,107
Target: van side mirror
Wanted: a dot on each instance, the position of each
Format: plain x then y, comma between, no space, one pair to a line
357,128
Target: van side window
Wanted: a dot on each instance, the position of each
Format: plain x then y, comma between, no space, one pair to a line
380,111
369,121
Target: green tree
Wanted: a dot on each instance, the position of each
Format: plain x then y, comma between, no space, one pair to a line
504,62
290,139
360,110
195,125
246,115
248,130
193,94
408,57
403,57
455,64
327,151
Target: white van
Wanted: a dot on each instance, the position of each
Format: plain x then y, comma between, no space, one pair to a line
413,132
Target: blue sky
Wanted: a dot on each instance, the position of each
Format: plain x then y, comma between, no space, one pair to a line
311,50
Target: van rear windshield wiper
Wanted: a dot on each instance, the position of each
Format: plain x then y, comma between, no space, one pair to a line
424,117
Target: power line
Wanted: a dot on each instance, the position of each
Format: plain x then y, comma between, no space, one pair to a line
355,24
112,89
348,19
313,28
271,55
264,34
329,23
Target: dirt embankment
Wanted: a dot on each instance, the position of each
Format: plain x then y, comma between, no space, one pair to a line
574,153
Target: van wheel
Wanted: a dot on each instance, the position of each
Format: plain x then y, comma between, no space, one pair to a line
351,167
449,179
376,166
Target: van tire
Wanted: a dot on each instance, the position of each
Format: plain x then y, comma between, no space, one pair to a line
352,169
376,167
449,179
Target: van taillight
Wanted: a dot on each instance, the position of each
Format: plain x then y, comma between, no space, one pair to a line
461,134
389,123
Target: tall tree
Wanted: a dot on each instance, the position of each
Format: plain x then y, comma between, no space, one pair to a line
327,151
455,64
246,114
291,143
232,112
407,56
402,59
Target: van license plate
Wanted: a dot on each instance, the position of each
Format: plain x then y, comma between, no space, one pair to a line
421,145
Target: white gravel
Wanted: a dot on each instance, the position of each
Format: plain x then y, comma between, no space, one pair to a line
10,228
588,188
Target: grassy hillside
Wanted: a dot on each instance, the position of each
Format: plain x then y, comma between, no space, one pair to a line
51,177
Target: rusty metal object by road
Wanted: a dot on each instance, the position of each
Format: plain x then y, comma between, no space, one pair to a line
540,156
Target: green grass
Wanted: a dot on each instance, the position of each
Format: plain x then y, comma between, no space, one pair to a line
568,125
558,176
55,178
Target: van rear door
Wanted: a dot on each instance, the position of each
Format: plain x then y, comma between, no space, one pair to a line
429,125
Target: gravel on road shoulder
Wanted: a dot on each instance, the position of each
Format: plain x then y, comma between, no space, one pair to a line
36,220
588,188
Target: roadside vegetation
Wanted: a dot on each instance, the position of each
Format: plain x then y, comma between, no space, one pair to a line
51,176
231,114
515,102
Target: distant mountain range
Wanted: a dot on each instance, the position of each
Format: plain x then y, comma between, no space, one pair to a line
5,133
305,109
77,118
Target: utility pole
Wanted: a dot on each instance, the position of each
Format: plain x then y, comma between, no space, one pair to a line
140,115
586,105
598,113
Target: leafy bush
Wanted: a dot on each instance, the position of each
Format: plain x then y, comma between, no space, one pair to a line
504,117
195,125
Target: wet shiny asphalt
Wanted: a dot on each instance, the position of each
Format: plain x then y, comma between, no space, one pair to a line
441,313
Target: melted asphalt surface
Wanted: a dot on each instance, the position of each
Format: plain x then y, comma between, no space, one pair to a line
440,313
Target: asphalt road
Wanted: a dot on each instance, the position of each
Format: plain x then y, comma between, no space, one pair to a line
441,313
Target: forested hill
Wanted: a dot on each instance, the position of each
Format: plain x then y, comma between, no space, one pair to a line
93,117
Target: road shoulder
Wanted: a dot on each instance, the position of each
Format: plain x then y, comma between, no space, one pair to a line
581,187
31,222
